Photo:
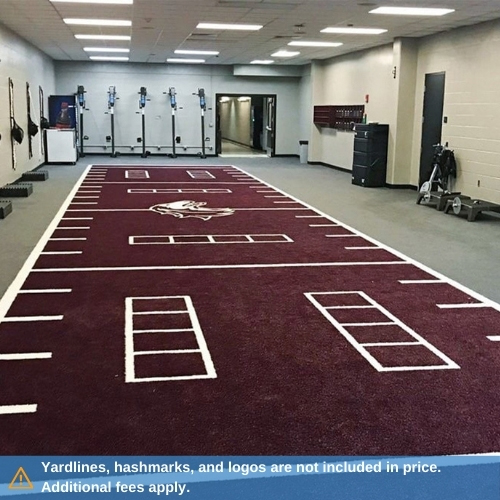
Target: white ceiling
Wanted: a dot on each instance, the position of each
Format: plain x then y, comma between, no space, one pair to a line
161,26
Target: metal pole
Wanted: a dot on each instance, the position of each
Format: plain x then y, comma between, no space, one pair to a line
203,155
82,154
144,155
81,106
113,153
173,134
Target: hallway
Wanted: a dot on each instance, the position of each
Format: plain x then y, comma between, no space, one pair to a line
233,149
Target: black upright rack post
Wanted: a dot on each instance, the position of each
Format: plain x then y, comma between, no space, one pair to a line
142,106
111,110
81,106
173,104
203,106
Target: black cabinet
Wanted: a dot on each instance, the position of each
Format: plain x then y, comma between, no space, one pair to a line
369,166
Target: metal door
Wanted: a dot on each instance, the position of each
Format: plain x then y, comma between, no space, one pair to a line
270,125
432,121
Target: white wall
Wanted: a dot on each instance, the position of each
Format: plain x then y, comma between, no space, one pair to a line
128,78
469,56
405,57
346,80
305,105
23,63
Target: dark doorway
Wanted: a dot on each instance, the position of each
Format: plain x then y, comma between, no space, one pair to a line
432,121
257,122
270,126
243,124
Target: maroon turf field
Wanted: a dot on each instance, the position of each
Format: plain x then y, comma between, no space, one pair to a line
199,311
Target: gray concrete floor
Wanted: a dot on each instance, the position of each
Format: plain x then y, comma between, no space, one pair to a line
464,251
231,149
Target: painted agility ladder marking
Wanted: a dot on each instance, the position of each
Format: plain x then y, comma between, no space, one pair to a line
197,239
136,174
130,331
204,174
367,302
180,190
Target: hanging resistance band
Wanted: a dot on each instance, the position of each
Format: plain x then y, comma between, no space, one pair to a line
16,132
44,124
32,126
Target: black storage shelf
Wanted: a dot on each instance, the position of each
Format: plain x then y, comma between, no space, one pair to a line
369,167
339,117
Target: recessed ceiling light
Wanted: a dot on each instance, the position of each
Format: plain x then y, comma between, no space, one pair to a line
104,37
123,2
197,52
315,44
104,49
411,11
98,22
191,61
354,31
110,58
262,61
224,26
285,53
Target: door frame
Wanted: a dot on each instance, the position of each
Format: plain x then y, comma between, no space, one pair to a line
218,137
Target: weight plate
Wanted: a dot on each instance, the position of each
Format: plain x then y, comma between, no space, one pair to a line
457,205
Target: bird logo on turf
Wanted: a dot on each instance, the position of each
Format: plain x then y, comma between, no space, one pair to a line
189,208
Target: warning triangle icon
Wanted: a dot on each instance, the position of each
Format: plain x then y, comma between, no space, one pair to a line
21,481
